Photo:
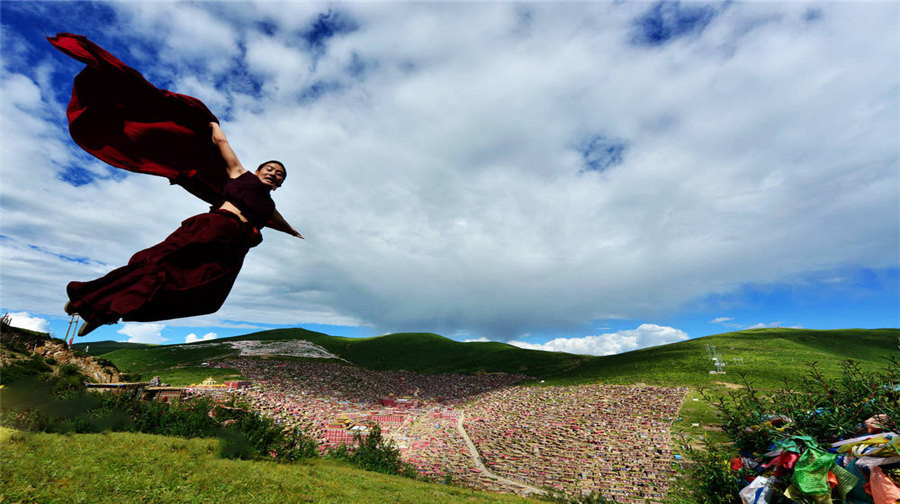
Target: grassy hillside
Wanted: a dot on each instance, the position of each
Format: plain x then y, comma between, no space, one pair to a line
102,347
769,356
105,468
430,353
421,352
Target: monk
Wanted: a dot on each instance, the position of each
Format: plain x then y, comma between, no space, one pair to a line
192,271
119,117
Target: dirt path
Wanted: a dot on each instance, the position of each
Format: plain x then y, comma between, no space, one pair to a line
473,452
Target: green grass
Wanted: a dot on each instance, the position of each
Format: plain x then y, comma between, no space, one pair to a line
769,355
424,353
429,353
159,359
700,412
123,467
102,347
181,377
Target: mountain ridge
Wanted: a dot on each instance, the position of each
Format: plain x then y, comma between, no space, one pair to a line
766,355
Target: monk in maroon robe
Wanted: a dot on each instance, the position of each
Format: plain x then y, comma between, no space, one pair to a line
119,117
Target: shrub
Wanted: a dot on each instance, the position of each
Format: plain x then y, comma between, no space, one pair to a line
825,409
105,363
31,366
374,453
559,497
244,434
131,377
710,478
69,370
60,403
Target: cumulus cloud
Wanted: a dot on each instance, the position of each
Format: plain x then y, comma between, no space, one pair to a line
193,338
143,333
646,335
477,340
24,320
485,167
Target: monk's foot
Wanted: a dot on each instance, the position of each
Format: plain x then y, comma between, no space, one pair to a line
68,308
86,328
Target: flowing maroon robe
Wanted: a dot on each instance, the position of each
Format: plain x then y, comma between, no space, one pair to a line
122,119
190,273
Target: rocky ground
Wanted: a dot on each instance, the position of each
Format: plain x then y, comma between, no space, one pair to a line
19,344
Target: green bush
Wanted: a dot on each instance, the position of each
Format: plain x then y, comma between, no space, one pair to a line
131,377
59,403
374,453
244,434
559,497
825,409
32,366
710,478
105,362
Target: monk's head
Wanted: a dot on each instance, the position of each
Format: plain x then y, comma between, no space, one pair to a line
272,173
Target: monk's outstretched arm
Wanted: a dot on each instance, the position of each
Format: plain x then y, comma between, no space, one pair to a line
232,165
278,223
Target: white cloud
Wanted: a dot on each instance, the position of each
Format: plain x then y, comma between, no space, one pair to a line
24,320
143,333
188,33
719,320
193,338
477,340
646,335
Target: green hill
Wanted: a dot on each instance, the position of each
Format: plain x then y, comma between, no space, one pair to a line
419,352
102,347
430,353
766,356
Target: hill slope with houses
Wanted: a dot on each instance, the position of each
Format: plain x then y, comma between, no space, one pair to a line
764,356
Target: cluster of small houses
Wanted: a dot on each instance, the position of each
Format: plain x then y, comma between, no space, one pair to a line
630,460
602,449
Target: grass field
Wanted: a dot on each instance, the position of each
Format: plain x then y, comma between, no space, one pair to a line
105,468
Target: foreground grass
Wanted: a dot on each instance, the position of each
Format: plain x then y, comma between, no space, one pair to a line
124,467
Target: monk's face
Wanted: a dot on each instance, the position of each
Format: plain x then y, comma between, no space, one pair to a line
271,174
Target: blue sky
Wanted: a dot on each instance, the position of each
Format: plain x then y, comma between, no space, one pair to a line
591,177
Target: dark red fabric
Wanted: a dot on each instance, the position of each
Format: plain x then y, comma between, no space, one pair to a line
190,273
251,196
119,117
